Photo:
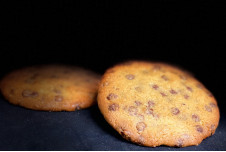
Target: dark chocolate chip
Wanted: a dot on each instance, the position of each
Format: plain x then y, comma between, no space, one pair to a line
155,86
208,108
199,128
175,111
112,96
140,126
140,140
213,105
150,111
195,118
186,96
132,110
163,94
173,91
113,107
189,89
151,103
126,134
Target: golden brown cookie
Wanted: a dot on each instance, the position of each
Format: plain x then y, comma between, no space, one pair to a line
155,104
51,87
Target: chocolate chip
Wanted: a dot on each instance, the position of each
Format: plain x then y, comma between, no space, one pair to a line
58,98
213,105
138,103
130,76
155,86
125,134
164,77
163,94
175,111
195,118
151,104
150,111
189,89
186,96
113,107
29,93
140,140
112,96
180,142
140,126
208,108
132,110
173,91
199,128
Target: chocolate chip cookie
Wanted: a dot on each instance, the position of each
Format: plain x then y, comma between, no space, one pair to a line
51,87
153,104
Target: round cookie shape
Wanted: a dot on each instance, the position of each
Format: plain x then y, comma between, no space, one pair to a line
51,87
153,104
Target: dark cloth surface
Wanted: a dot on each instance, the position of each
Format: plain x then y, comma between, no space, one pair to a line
24,129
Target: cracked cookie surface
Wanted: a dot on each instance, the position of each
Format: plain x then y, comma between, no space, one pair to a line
155,104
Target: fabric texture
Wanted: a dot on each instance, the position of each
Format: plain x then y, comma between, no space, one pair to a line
24,129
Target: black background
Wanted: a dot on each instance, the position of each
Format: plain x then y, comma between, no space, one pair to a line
97,35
